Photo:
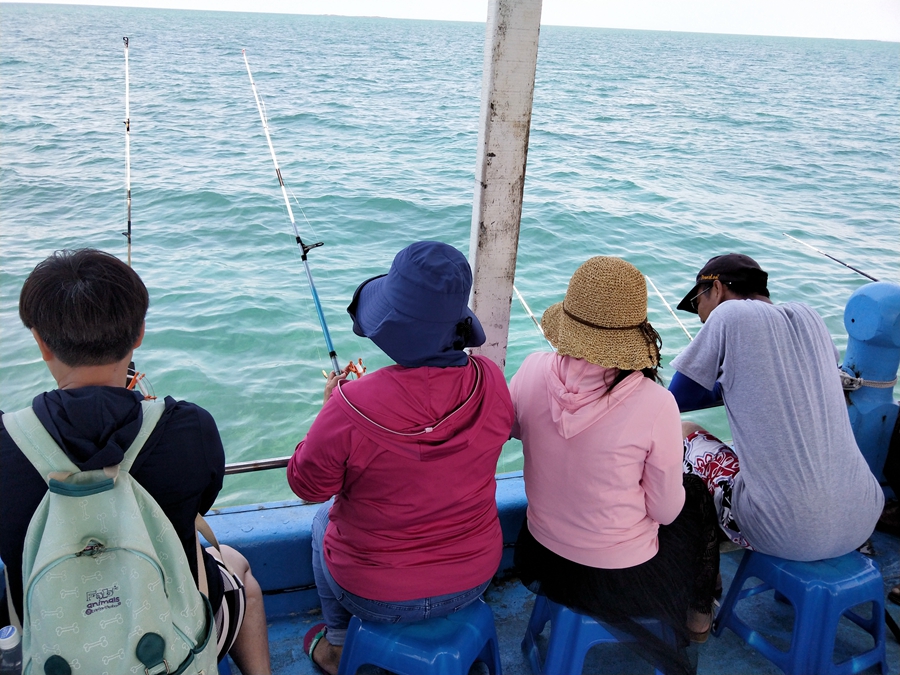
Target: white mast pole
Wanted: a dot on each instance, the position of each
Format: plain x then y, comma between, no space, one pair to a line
510,59
127,232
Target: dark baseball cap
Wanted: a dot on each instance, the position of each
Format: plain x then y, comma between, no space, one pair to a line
731,267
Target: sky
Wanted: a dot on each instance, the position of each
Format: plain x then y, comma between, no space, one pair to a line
845,19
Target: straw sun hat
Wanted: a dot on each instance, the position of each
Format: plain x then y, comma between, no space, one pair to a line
603,318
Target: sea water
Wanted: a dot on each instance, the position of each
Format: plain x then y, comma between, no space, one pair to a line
662,148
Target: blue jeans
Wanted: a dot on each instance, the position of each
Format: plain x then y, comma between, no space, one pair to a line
339,605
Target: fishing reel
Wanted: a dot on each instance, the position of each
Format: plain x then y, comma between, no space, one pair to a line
139,380
356,369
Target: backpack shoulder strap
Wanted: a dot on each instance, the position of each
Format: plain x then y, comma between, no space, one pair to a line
37,444
42,451
152,411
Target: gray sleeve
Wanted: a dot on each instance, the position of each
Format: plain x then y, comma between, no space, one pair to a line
702,359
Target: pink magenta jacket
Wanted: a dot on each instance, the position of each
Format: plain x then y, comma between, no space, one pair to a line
602,471
415,515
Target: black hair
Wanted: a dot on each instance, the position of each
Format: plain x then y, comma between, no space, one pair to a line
747,289
464,332
86,305
651,373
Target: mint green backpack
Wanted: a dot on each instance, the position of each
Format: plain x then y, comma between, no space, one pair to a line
107,586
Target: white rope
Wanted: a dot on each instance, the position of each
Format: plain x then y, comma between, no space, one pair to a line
851,383
531,314
668,307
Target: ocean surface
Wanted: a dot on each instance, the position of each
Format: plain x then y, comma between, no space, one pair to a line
662,148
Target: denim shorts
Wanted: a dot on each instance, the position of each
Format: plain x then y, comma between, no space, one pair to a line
339,605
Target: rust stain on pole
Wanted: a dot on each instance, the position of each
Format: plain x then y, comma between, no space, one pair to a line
510,59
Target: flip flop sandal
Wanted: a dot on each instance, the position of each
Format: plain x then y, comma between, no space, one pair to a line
867,548
310,640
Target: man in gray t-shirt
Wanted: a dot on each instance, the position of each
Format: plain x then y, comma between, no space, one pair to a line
795,484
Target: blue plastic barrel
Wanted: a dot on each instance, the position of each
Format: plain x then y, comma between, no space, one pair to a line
872,320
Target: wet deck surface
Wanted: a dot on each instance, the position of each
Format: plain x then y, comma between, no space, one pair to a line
512,604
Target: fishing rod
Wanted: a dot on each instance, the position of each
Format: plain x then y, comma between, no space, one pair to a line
304,248
867,276
669,307
127,232
134,378
531,314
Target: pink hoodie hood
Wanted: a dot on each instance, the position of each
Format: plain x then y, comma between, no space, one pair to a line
578,393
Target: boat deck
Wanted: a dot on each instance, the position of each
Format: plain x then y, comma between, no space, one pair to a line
276,537
512,604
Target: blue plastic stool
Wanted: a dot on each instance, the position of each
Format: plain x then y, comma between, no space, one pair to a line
821,592
447,645
571,636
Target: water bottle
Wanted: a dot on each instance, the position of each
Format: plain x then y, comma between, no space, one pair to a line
10,651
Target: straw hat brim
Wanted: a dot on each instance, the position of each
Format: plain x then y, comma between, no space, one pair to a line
623,348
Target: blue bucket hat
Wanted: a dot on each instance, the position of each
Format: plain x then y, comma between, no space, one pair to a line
418,312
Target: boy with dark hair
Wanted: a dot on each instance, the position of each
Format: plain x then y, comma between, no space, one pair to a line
86,311
86,306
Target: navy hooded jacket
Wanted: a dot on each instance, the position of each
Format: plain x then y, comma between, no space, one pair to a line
181,465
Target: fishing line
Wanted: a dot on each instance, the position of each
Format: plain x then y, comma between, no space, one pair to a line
316,236
867,276
669,307
528,311
356,368
304,248
302,212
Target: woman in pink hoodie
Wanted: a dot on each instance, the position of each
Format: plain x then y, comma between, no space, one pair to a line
410,451
613,528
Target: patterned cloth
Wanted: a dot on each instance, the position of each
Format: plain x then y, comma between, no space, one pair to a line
717,464
230,615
